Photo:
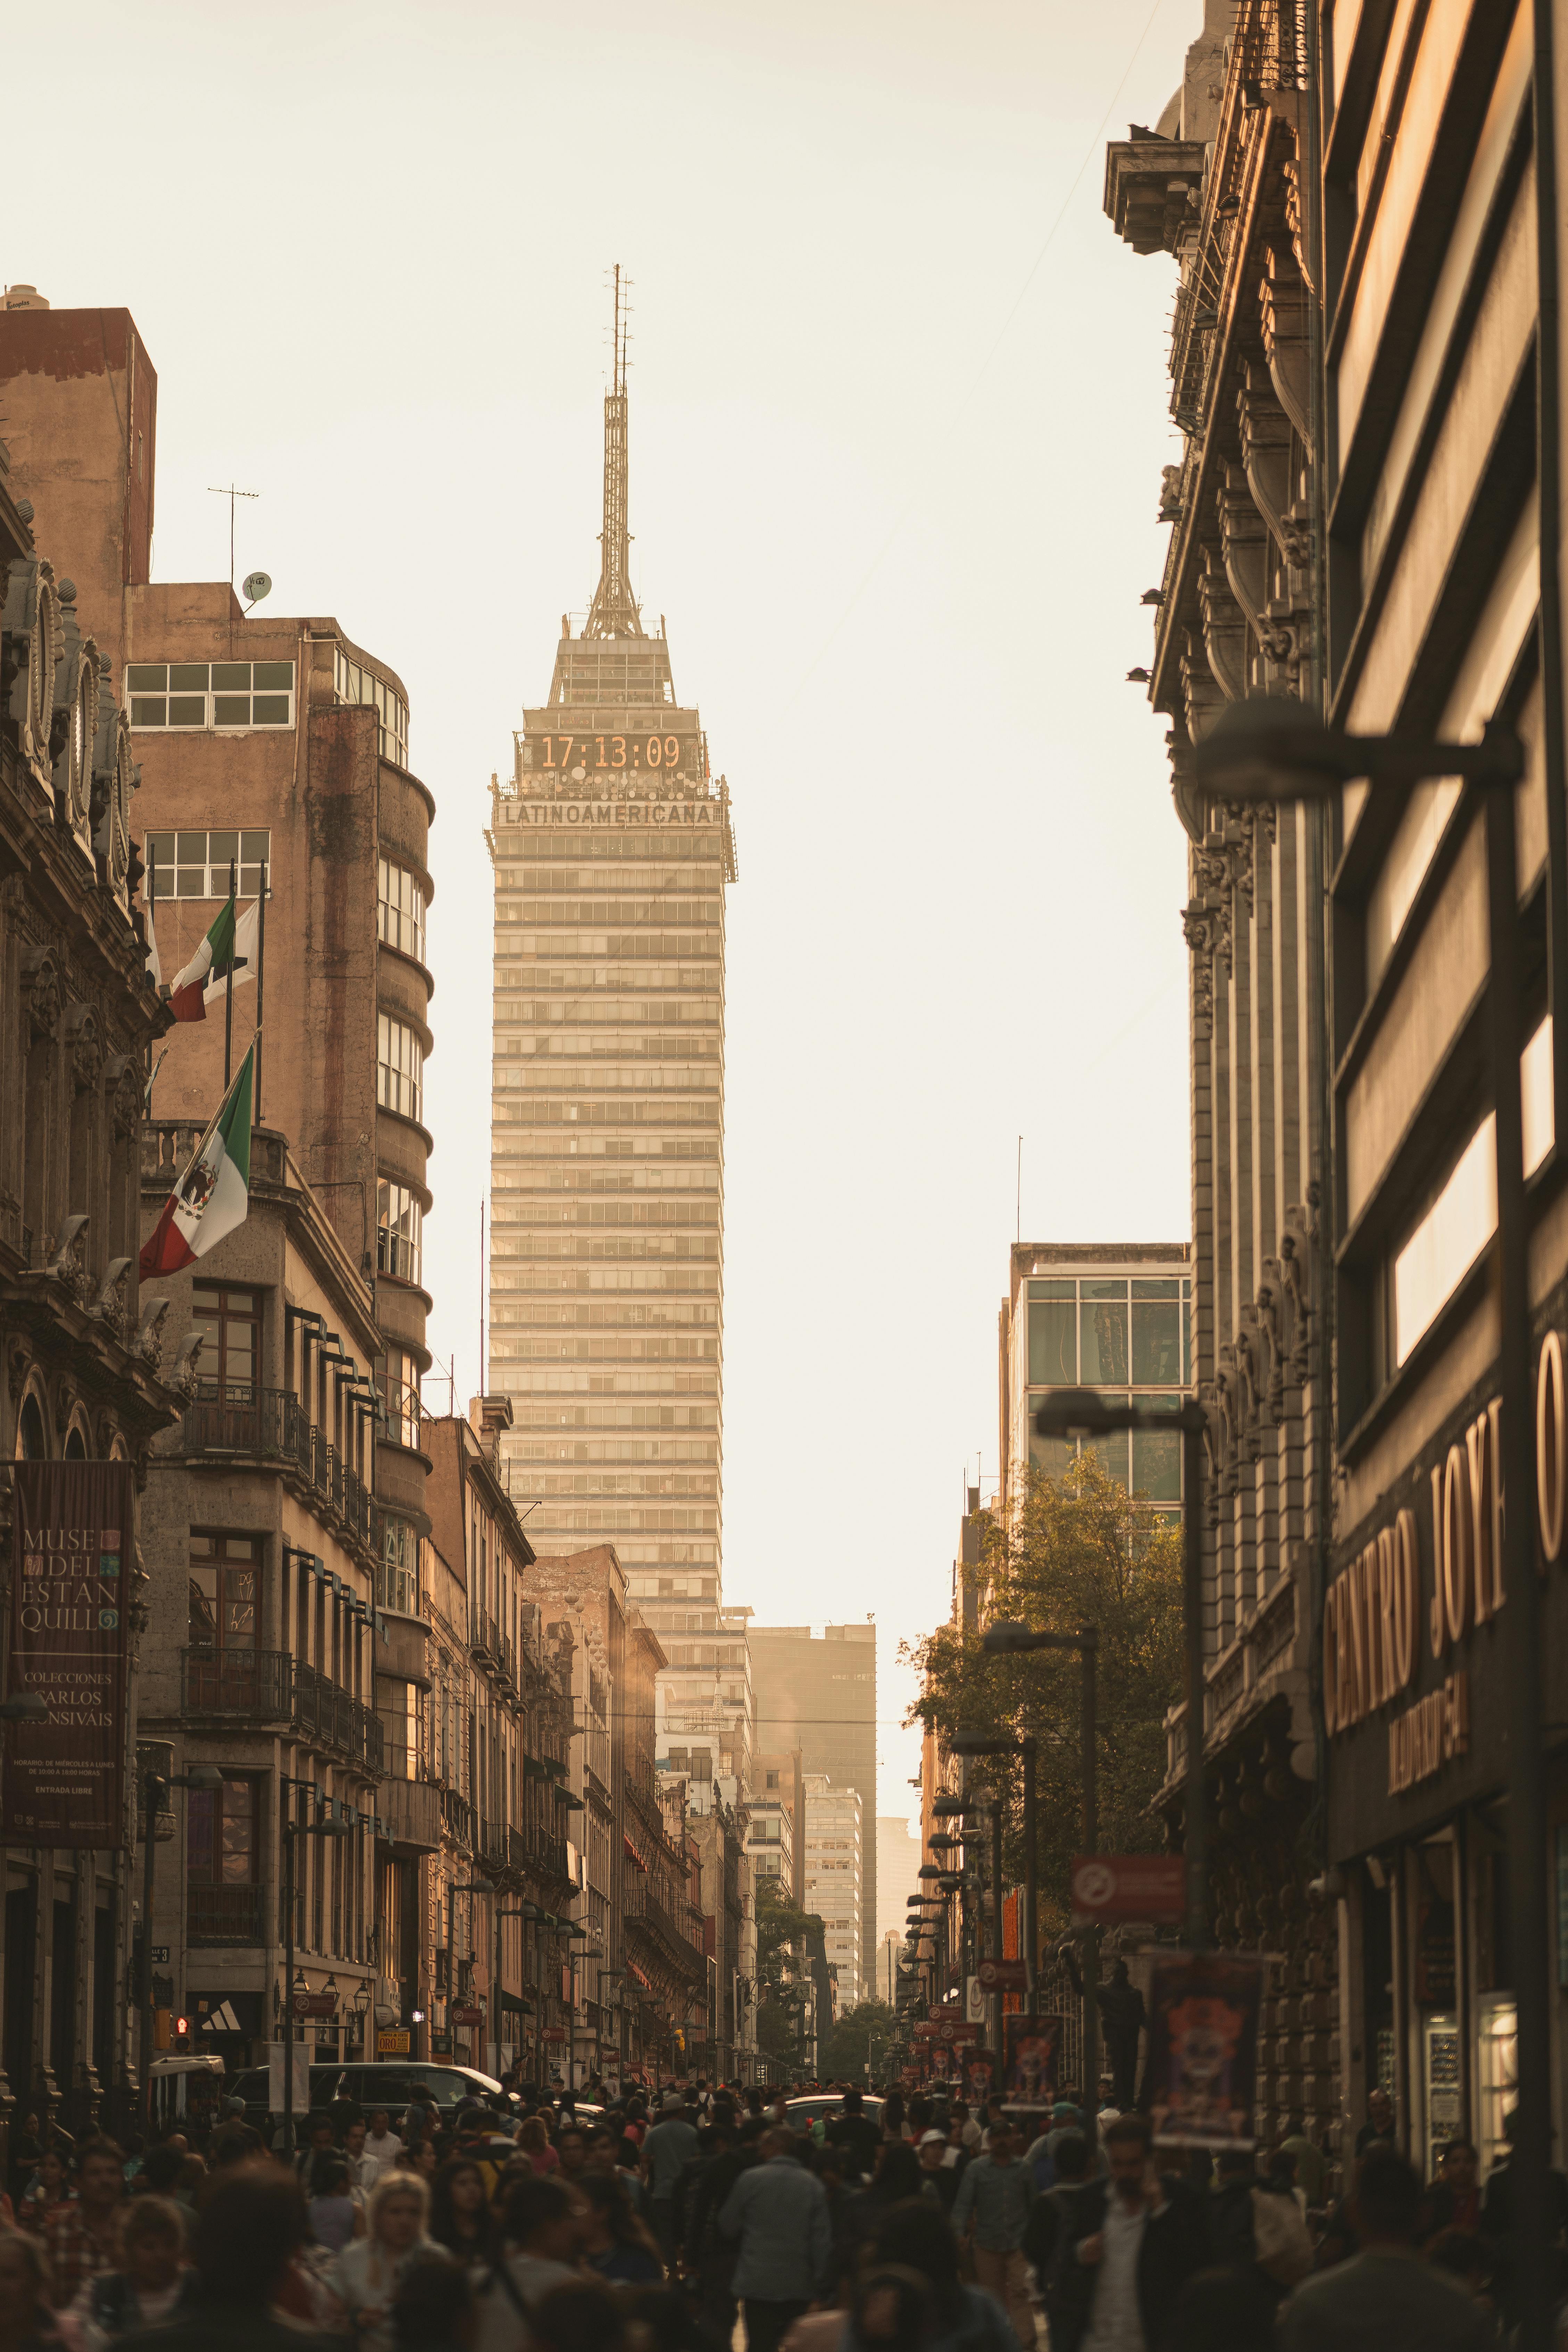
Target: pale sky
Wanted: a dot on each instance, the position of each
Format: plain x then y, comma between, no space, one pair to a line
895,463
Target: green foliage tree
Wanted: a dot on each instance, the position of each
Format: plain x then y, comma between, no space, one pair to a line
786,1940
862,2033
1079,1551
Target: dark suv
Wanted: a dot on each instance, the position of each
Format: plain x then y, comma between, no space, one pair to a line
390,2084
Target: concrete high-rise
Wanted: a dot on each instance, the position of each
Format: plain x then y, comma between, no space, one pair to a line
899,1858
612,849
818,1693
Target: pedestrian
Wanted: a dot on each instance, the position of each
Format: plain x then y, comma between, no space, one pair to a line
364,2169
149,2285
963,2318
333,2211
1379,2125
1131,2242
81,2236
615,2245
320,2140
778,2212
242,2249
581,2316
668,2149
938,2174
368,2272
572,2150
853,2130
544,2226
893,2124
1497,2222
1381,2299
434,2310
707,2257
49,2186
1051,2226
991,2208
26,2322
1311,2163
382,2146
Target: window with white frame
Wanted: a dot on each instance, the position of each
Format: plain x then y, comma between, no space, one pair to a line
354,683
399,1222
198,864
400,1390
399,1066
212,698
399,908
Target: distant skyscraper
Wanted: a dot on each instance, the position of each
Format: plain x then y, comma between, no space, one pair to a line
835,1869
819,1695
612,849
898,1872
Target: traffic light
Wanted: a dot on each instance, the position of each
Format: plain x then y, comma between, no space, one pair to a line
182,2033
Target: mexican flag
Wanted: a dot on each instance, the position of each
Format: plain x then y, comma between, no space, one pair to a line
213,1195
203,981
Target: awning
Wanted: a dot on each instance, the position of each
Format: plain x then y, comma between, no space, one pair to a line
632,1853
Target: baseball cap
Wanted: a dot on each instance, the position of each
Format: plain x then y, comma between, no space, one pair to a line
927,2138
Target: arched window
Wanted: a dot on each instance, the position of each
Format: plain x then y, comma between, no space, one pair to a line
76,1447
30,1446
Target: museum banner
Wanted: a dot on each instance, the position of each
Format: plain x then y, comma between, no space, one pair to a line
1201,2079
69,1642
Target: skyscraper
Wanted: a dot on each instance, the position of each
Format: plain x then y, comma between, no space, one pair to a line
818,1693
612,849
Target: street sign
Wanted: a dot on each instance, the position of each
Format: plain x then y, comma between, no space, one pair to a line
466,2014
1003,1976
940,2010
554,2034
315,2004
954,2029
393,2041
1120,1886
160,1956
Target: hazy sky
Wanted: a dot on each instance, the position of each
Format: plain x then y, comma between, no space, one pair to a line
895,461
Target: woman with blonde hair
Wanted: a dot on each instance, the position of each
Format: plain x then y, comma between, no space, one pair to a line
368,2274
534,2142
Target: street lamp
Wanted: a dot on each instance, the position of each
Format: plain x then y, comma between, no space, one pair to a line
205,1776
333,1825
965,1744
1009,1638
1271,748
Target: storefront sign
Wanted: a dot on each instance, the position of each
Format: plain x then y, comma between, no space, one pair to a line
554,2034
466,2013
1202,2072
393,2041
1119,1887
1001,1975
65,1777
315,2004
1422,1739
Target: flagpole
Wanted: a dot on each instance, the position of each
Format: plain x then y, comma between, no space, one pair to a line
228,996
260,977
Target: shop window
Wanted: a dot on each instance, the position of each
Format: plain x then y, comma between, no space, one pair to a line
224,1589
230,1325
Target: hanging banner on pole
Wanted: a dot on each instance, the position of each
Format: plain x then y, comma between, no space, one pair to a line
1031,2054
65,1775
1202,2074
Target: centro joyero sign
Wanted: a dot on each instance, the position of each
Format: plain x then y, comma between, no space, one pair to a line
1382,1609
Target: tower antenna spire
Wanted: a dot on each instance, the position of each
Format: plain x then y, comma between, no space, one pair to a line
614,612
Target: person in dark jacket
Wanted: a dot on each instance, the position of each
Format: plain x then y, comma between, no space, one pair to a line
853,2131
1130,2244
707,2258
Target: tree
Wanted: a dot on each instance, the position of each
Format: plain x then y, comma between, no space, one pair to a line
1078,1551
790,1951
862,2035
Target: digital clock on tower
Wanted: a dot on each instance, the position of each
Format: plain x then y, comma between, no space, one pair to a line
603,757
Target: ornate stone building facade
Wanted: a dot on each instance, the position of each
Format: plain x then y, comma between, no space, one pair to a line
84,1371
1221,184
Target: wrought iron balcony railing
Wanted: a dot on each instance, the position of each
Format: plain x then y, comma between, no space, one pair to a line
223,1914
235,1418
272,1687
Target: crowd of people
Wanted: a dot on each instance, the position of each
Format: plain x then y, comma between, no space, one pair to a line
547,2224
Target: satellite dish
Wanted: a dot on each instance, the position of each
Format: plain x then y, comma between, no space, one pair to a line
256,586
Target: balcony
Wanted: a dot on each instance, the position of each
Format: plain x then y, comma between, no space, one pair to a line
235,1422
216,1916
679,1941
271,1686
412,1812
490,1845
457,1818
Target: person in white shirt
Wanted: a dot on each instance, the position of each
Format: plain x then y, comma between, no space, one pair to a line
380,2150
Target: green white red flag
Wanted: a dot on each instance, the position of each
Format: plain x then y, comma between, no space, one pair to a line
213,1194
228,943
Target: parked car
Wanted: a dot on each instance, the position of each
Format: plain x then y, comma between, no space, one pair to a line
390,2083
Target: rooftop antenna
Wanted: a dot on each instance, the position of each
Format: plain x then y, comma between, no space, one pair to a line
1018,1197
614,612
218,490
